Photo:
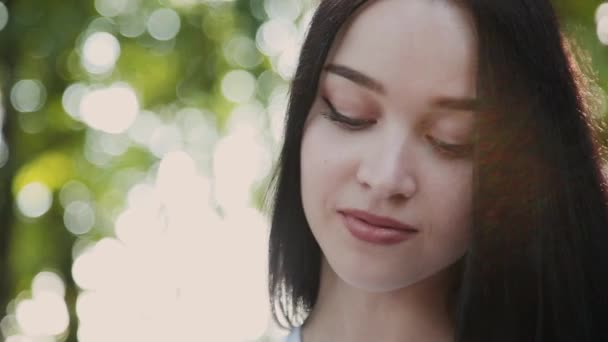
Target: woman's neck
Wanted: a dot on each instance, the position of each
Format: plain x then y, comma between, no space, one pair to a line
345,313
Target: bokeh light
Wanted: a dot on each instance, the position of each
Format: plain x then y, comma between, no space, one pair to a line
72,96
601,19
132,26
3,16
174,251
285,9
238,86
144,195
164,139
94,151
601,11
199,129
247,229
34,199
142,130
28,95
242,52
114,144
9,326
238,160
602,30
275,35
277,106
287,62
100,52
90,269
112,109
113,8
45,314
74,191
47,281
79,217
175,173
163,24
98,24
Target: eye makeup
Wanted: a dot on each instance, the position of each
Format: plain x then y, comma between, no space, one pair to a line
343,120
444,148
454,151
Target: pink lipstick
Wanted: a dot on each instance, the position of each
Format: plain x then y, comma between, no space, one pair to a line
376,229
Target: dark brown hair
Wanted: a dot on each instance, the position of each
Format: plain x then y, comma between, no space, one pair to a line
537,266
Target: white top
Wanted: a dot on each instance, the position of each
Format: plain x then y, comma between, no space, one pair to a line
294,336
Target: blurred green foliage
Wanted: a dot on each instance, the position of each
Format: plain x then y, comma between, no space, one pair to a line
43,41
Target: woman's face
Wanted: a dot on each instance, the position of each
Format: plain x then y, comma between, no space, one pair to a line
389,134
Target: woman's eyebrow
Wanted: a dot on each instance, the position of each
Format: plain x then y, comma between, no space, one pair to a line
445,102
356,77
457,103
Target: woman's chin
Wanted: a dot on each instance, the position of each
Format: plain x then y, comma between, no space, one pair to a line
372,280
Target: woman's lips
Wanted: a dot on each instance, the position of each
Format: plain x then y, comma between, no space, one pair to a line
376,234
377,220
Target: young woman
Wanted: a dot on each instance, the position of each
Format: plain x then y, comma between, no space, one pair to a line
439,179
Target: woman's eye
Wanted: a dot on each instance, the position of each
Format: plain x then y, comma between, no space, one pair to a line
343,120
451,150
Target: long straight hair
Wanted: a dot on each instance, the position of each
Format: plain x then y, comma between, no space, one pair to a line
537,267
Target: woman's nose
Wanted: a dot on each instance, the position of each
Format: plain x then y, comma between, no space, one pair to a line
388,173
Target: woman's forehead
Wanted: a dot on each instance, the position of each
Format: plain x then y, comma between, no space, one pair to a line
411,46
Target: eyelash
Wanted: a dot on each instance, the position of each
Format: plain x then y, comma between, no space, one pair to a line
453,151
343,120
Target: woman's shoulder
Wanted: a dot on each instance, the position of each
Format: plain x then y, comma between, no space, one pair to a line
293,336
